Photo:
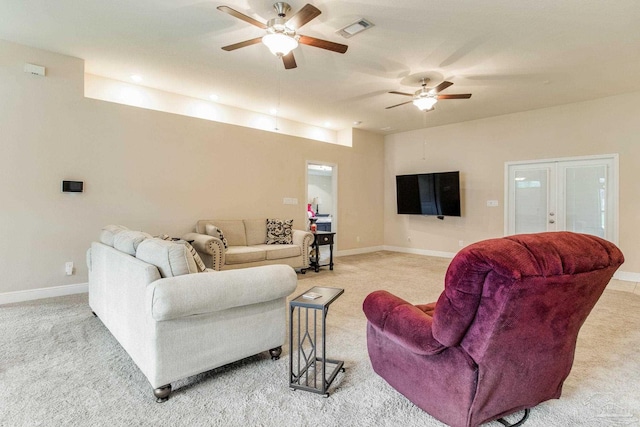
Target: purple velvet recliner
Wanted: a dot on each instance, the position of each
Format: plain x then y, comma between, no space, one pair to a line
502,336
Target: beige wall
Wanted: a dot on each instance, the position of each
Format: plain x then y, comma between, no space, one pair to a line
147,170
479,150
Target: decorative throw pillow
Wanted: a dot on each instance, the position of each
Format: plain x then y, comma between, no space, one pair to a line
279,232
191,249
214,231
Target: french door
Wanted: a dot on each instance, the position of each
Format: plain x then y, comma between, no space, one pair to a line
579,195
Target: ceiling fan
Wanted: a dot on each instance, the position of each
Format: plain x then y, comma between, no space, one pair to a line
426,98
282,36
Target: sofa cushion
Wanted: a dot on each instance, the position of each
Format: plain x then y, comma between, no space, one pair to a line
279,231
233,231
171,259
256,231
214,231
127,241
108,233
281,251
243,254
196,257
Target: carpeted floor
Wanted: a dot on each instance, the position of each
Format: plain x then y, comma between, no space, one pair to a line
59,366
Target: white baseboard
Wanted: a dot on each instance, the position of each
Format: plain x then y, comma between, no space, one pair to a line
358,251
55,291
627,276
420,251
370,249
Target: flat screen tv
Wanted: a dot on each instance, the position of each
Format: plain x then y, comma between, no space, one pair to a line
429,194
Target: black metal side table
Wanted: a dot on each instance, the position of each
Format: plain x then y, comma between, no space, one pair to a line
309,368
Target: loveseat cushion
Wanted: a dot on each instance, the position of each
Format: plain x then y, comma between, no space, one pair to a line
127,241
171,259
233,231
280,251
108,233
256,230
244,254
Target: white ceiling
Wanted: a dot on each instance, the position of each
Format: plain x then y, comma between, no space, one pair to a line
512,55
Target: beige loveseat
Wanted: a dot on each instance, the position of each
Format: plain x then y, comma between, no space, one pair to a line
247,247
174,321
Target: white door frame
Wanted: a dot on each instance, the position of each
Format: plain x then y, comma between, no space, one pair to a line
613,191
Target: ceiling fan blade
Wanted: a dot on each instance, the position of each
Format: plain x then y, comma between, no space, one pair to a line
458,96
323,44
397,105
304,15
401,93
441,86
242,44
242,16
289,61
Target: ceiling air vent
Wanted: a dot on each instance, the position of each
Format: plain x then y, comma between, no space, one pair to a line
355,28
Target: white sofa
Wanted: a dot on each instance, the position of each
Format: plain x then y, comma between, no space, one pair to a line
246,245
175,322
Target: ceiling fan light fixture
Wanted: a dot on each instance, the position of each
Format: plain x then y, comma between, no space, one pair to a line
425,103
280,44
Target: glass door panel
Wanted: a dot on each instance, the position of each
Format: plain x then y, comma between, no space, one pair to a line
532,197
531,200
585,199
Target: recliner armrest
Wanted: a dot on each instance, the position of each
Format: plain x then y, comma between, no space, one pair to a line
201,293
402,322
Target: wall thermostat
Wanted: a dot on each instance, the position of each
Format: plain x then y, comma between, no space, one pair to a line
72,186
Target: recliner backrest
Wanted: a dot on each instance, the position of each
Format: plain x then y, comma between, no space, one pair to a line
516,305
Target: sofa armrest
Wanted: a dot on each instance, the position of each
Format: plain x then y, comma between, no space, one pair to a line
304,239
210,249
202,293
402,322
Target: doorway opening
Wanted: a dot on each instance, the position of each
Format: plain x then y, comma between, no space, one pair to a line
322,195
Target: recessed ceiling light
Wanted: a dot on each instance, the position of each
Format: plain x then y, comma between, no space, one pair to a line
386,128
214,97
136,78
273,111
327,124
357,122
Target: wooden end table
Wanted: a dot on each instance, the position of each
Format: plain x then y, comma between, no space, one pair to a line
321,238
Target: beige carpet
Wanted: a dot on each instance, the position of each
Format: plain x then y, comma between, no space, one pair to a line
59,366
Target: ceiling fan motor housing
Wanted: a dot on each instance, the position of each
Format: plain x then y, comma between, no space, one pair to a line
282,8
